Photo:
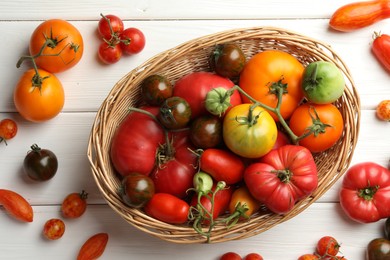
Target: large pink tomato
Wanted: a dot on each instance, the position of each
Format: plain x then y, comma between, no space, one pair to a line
194,87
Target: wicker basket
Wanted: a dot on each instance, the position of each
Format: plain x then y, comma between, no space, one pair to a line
192,56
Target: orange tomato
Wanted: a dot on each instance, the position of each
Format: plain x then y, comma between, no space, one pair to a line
242,198
268,68
64,49
38,104
308,115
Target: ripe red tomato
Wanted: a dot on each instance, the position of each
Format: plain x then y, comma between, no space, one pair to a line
253,256
39,99
381,49
327,246
8,129
54,229
194,87
132,41
16,205
308,257
110,25
269,69
222,165
365,192
175,172
63,45
109,53
230,256
325,120
283,177
74,204
135,143
383,110
167,208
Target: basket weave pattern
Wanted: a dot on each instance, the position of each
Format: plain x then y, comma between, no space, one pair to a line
192,56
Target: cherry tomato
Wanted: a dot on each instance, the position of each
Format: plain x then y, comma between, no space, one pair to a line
167,208
327,246
378,249
137,189
308,257
156,89
326,122
63,45
230,256
74,204
132,41
383,110
8,129
54,229
110,25
175,113
40,164
206,131
253,256
109,53
38,99
227,60
244,202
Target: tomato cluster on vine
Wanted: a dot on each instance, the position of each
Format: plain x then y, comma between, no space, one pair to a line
116,40
327,247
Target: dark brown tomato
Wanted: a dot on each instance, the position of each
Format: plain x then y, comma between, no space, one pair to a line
137,189
378,249
156,89
206,132
227,60
40,164
175,113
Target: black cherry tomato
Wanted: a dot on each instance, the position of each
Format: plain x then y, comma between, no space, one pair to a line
155,89
206,131
40,164
137,189
175,113
227,60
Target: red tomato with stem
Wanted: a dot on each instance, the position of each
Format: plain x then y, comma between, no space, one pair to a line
176,168
194,87
230,256
109,53
222,165
135,142
365,192
74,205
327,246
167,208
109,26
132,41
283,177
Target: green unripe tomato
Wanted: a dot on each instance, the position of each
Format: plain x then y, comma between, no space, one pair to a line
322,82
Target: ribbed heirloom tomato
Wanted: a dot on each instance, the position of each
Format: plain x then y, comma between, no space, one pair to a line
39,103
268,70
63,45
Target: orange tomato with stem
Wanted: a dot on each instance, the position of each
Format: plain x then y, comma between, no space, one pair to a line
318,127
269,70
39,97
59,43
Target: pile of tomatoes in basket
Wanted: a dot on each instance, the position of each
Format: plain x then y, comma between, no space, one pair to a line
234,139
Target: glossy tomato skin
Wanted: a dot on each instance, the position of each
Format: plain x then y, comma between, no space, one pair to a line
8,129
304,116
194,87
167,208
222,165
174,175
16,205
227,60
206,131
175,113
265,70
283,177
109,53
38,104
132,41
137,189
40,164
327,246
241,197
74,205
253,256
104,26
54,229
93,247
155,89
308,257
365,192
230,256
381,49
249,139
378,249
65,49
135,142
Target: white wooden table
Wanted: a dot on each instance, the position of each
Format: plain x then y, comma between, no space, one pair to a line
165,25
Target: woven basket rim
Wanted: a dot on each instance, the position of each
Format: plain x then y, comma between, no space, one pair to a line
107,118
